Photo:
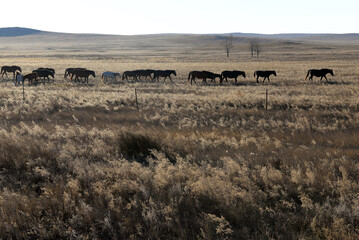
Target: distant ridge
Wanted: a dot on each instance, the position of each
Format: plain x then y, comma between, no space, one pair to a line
17,31
302,37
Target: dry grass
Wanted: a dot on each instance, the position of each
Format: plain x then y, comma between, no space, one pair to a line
195,162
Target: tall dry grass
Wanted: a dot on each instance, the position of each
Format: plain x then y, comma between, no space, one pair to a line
195,162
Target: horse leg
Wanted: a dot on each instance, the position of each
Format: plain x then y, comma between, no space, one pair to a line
325,78
194,80
257,78
170,78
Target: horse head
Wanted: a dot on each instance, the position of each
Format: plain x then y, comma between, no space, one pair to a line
244,74
331,72
274,73
174,72
92,73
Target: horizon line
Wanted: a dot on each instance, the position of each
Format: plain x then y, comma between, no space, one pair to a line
185,33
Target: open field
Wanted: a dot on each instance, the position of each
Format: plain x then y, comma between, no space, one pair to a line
195,161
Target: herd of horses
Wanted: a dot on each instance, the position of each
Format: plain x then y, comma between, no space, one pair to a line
82,75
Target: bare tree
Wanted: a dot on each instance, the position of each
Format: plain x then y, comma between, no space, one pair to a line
255,47
228,44
251,47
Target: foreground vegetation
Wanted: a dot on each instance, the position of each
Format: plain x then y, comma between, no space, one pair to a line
193,162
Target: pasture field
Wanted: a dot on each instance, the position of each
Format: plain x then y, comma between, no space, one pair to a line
195,161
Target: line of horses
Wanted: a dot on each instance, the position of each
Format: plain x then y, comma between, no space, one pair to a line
150,73
82,75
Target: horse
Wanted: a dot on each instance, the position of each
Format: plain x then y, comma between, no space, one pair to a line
11,69
232,74
19,79
48,69
43,72
112,75
319,73
264,74
82,74
70,71
127,74
163,73
144,73
203,75
31,77
215,75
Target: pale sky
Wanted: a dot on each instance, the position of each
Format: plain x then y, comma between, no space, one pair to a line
124,17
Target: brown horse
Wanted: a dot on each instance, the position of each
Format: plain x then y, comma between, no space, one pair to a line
144,73
48,69
264,74
69,71
44,73
163,73
9,69
319,73
232,74
82,74
203,75
31,77
127,74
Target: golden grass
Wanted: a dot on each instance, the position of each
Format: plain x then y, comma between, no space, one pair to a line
195,162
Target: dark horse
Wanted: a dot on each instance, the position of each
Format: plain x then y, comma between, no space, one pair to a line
44,73
264,74
232,74
70,71
203,75
82,74
11,69
127,74
319,73
31,77
48,69
163,73
144,73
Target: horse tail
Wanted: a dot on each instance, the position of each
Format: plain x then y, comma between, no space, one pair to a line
308,74
189,76
255,74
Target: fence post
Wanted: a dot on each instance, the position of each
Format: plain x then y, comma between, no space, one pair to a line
136,98
23,91
266,99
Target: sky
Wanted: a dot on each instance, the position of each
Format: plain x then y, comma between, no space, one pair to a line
128,17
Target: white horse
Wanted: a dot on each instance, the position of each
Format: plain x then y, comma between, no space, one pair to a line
112,75
19,79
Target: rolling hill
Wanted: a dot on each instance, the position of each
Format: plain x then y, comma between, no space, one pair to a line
25,42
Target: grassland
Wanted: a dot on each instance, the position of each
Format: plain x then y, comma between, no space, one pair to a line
194,162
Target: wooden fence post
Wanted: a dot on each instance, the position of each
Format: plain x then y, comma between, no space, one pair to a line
136,99
23,91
